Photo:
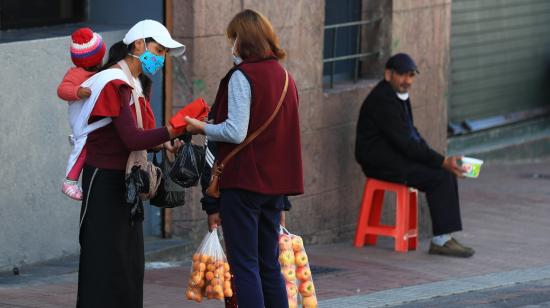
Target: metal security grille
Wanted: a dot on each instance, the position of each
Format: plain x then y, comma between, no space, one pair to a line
356,56
500,57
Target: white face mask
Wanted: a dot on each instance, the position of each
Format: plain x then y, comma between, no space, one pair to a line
236,59
403,96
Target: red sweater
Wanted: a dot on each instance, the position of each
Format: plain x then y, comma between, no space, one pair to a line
72,80
110,146
272,163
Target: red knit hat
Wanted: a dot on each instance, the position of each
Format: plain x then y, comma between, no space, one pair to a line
87,48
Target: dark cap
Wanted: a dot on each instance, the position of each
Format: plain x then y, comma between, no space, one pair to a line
401,63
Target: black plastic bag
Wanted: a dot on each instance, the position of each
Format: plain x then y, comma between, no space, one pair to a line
137,182
169,194
189,164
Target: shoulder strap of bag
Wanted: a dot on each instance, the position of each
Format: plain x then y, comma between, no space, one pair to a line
124,66
262,128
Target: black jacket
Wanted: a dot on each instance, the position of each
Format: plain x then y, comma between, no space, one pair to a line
387,141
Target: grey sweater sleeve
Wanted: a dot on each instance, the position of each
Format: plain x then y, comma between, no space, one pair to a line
235,127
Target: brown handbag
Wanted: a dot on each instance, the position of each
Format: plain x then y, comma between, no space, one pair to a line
213,189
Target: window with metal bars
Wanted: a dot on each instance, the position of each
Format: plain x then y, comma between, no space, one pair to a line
344,50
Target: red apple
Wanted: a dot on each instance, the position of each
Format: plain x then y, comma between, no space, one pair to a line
289,273
297,243
301,258
303,273
291,289
285,243
292,304
309,302
286,258
307,289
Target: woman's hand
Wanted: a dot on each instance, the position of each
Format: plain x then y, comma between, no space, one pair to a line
214,221
283,219
173,147
174,132
195,126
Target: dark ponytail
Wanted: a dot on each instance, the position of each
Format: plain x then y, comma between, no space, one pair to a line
119,51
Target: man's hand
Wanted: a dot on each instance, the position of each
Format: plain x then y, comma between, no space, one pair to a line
83,92
214,221
195,126
450,164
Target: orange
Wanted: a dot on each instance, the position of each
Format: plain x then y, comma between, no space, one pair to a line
190,294
218,289
215,282
228,292
196,278
198,297
202,267
209,276
210,267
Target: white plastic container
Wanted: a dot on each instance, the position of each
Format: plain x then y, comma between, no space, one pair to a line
472,165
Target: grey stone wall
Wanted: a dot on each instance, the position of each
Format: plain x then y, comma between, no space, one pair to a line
37,221
333,181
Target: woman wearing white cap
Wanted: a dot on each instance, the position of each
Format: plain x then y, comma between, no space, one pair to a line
111,235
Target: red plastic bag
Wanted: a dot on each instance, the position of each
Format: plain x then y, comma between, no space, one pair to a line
197,109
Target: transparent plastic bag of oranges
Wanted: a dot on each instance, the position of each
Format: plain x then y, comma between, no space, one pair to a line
210,274
295,269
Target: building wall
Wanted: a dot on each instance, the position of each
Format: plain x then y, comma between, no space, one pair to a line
38,222
333,181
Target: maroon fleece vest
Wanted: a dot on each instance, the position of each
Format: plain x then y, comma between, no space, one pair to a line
272,163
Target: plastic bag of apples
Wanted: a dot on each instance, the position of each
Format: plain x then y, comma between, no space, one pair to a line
210,275
295,270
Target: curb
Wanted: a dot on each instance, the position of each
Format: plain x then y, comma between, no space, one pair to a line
436,289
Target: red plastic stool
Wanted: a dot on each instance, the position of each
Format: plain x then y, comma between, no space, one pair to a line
405,231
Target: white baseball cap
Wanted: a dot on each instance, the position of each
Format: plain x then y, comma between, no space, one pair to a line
154,29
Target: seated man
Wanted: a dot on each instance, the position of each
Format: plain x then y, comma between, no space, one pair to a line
388,147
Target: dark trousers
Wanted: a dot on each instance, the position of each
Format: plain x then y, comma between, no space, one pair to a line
441,191
250,224
111,268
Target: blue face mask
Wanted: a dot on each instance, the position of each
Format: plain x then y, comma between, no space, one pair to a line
150,63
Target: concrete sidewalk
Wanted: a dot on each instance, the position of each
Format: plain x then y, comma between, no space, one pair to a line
505,218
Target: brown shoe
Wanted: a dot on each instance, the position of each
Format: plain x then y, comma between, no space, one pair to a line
452,248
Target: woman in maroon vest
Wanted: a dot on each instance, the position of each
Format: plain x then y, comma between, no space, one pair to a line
255,181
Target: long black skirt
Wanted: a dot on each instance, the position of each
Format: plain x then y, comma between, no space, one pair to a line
111,244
